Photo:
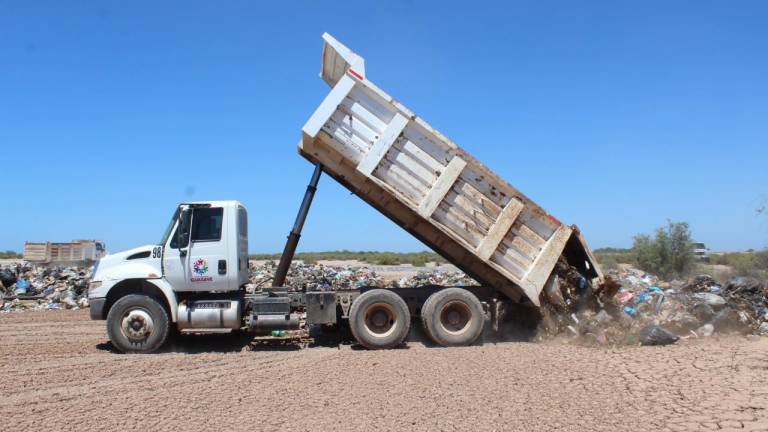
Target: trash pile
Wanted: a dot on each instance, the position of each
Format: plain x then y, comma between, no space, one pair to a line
24,286
636,307
319,277
442,278
629,307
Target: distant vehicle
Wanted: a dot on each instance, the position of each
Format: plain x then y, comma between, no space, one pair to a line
700,252
76,252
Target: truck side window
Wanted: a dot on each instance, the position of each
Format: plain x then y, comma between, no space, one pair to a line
242,221
206,224
174,239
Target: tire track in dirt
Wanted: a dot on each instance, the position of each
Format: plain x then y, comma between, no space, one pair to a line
58,374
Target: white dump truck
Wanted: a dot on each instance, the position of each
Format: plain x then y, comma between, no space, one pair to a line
194,279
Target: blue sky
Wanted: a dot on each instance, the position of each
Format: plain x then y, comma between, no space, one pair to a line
615,116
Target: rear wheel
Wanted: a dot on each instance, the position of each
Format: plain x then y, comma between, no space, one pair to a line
452,317
137,324
379,319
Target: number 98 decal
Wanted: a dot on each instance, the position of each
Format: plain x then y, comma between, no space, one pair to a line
157,252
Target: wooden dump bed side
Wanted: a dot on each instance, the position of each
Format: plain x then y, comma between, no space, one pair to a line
425,183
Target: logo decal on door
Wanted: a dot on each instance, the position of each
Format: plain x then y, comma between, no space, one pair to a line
200,267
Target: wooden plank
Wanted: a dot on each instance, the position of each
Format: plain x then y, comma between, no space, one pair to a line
539,223
408,178
457,227
361,127
523,246
512,244
492,191
521,230
499,229
382,145
421,174
328,106
383,111
466,221
508,263
441,186
390,177
544,263
468,207
362,114
427,144
514,256
420,155
484,204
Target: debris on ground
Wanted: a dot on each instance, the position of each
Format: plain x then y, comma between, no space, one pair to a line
26,286
648,310
657,335
629,307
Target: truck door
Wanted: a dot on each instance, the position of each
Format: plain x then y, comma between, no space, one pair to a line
174,260
199,264
207,255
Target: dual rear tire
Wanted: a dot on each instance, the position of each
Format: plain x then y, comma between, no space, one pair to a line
380,319
452,317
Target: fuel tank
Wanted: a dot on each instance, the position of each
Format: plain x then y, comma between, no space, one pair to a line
210,314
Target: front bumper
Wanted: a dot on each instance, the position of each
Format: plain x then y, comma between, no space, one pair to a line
96,306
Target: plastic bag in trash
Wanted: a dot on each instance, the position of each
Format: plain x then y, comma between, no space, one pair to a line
655,335
713,300
7,277
22,286
743,284
68,298
763,329
624,297
706,330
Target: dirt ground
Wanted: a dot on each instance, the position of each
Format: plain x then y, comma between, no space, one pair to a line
59,373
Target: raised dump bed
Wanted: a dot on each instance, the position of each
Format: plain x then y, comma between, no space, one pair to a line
413,174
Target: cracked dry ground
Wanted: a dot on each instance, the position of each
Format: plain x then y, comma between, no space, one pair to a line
59,374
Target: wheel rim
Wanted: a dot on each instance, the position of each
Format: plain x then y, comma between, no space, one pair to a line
137,325
455,317
380,320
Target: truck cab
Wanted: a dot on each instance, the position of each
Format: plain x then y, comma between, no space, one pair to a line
204,250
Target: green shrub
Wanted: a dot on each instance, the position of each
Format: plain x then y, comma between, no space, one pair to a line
669,253
744,263
607,261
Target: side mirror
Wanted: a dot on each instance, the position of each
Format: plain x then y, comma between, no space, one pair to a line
182,234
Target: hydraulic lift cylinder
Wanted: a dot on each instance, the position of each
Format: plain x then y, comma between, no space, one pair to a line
295,234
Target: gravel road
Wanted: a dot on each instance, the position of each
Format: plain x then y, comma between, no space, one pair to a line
59,373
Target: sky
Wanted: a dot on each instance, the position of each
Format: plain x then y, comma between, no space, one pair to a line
614,116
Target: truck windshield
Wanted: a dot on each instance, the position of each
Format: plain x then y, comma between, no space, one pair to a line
170,226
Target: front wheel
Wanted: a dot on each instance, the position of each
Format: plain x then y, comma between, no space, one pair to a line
137,324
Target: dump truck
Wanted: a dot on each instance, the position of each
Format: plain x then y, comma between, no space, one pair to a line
195,279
